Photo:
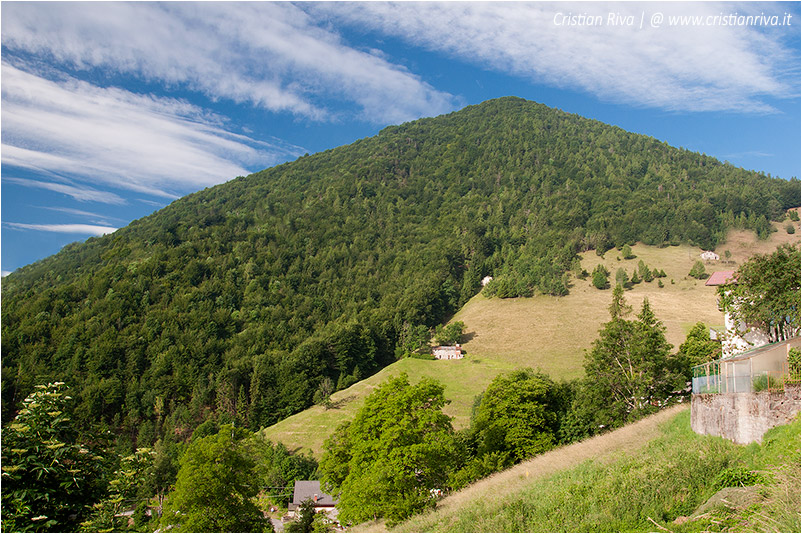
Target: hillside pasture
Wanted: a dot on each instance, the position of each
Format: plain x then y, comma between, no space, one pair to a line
542,332
552,333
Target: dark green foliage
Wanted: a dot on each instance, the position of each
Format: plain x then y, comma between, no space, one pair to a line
600,277
398,448
789,228
214,490
450,334
698,348
413,339
767,294
125,492
51,475
277,468
794,363
793,215
517,417
698,271
235,302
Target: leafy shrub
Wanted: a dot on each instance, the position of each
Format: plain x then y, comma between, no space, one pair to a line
766,382
790,228
600,277
793,362
419,356
738,476
51,474
626,251
450,334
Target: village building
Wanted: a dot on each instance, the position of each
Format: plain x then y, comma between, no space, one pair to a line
738,337
752,388
310,490
709,255
448,352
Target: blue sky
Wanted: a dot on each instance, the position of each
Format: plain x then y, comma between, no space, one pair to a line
110,111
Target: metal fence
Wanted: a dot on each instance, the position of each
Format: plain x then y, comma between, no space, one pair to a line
739,377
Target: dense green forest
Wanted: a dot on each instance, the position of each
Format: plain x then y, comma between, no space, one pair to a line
237,303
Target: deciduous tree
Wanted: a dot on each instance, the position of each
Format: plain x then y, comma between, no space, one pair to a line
215,488
398,448
698,347
767,293
519,415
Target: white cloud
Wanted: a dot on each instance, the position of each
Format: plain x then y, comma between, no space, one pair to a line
685,68
84,229
80,213
158,146
81,194
271,55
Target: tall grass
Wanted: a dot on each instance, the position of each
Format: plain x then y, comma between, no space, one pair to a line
647,490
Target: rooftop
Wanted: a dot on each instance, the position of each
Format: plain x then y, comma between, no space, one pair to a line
310,489
720,278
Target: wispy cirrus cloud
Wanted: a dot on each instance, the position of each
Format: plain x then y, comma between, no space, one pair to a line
704,67
271,55
80,213
112,137
82,229
79,193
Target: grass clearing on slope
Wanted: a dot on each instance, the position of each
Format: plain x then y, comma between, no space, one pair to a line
462,379
639,490
552,333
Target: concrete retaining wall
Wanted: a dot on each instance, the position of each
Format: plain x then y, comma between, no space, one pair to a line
743,417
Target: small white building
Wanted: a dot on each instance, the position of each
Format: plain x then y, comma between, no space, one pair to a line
486,280
449,352
709,255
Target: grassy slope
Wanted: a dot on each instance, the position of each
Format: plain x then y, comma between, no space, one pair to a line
655,472
543,332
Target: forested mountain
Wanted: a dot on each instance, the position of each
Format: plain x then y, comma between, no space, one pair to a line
237,302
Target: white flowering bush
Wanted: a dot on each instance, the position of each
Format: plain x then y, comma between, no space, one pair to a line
49,477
